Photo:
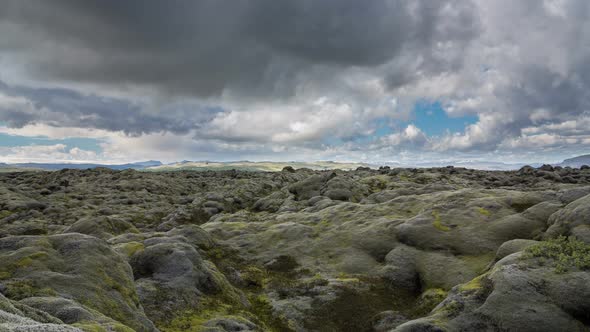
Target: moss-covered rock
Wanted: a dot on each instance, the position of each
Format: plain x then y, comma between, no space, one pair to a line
75,266
522,294
571,220
102,227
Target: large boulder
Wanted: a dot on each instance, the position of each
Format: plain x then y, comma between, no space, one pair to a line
15,316
102,227
572,220
171,274
311,186
544,288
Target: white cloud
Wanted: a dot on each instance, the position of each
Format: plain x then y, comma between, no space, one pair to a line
527,81
45,153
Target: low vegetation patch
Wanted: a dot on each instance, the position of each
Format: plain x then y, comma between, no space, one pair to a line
565,253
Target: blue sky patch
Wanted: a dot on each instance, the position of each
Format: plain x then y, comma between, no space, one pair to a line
431,118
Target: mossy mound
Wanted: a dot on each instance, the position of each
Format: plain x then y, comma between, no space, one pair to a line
75,266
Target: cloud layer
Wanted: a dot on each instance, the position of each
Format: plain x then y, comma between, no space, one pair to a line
299,79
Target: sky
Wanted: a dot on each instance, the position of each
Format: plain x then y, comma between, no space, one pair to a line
295,80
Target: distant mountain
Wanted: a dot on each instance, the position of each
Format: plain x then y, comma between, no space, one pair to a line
58,166
149,163
576,161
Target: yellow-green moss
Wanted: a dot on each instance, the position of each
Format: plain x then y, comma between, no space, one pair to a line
344,277
259,312
450,309
5,213
236,225
404,177
21,289
565,253
474,284
194,321
29,260
484,211
254,276
23,262
429,299
321,227
127,291
478,264
131,248
376,183
435,292
437,223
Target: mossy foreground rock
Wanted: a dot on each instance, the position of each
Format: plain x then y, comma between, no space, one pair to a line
18,317
546,287
73,266
440,249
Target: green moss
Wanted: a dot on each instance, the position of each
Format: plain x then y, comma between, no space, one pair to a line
316,280
321,227
448,310
193,320
428,300
564,253
344,277
8,268
127,291
478,264
131,248
376,183
404,177
437,223
262,309
24,262
22,289
484,211
260,312
254,276
5,213
474,284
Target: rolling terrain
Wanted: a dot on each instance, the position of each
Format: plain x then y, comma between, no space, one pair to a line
388,249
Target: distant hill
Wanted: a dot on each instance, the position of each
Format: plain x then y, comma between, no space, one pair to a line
269,166
265,166
480,165
576,161
54,167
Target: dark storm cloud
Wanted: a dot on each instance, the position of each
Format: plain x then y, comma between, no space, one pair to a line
202,48
542,88
62,107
